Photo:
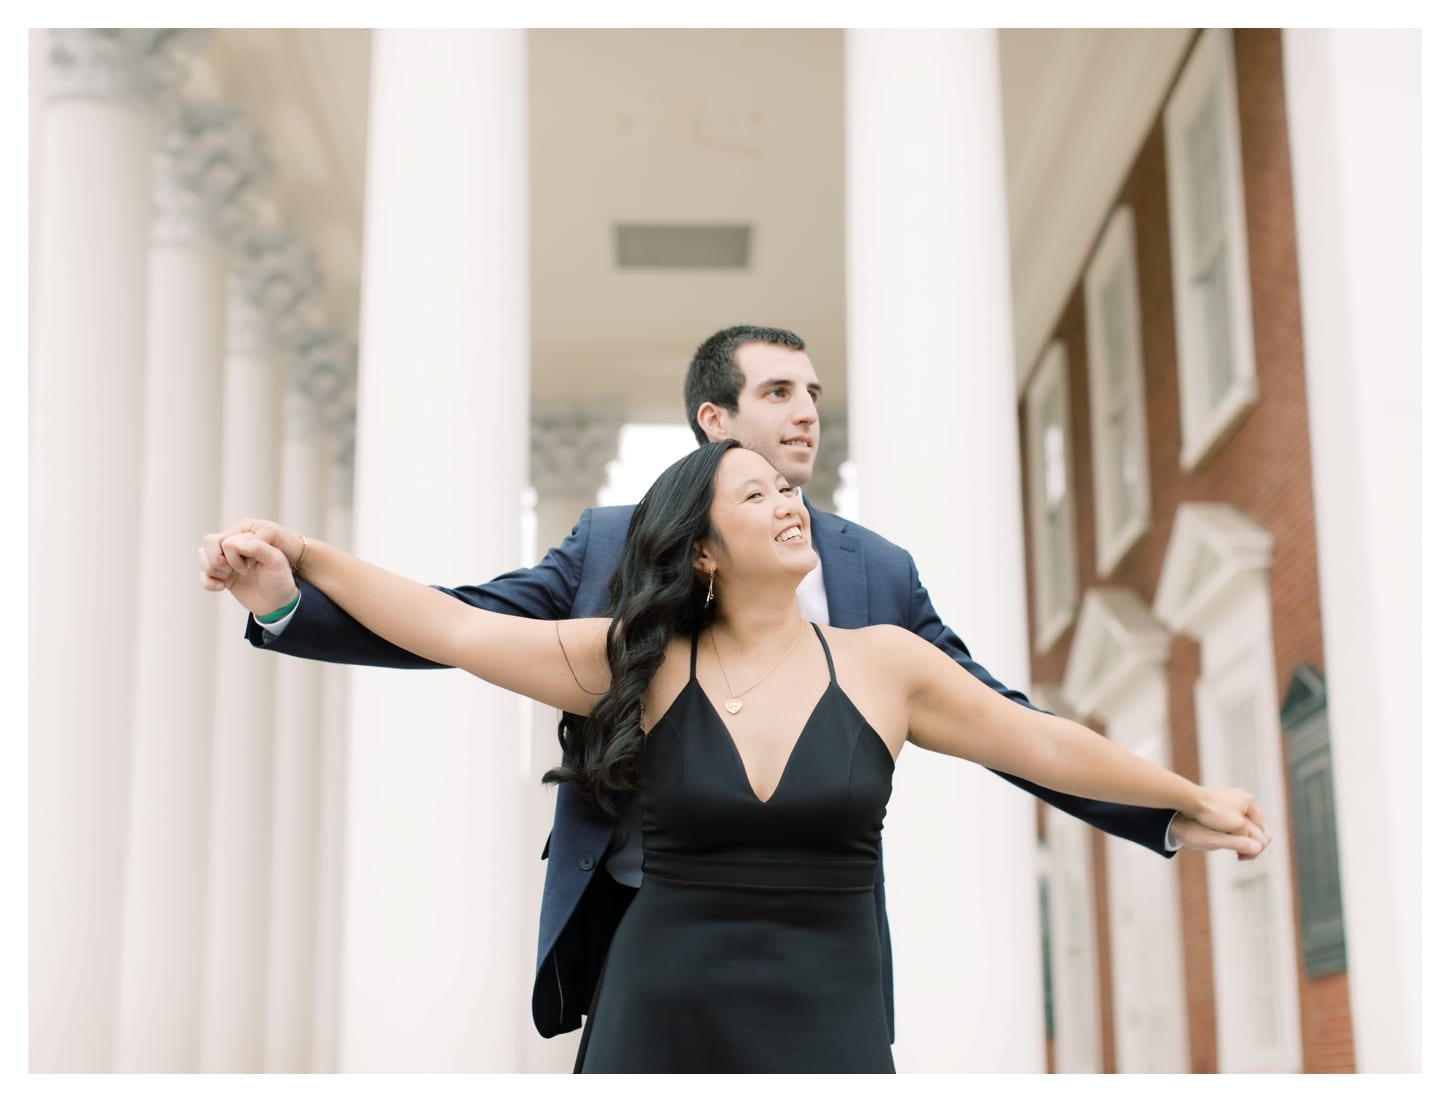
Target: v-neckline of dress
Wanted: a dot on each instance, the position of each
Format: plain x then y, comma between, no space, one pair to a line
740,758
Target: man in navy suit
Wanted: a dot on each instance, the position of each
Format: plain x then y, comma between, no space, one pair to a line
756,385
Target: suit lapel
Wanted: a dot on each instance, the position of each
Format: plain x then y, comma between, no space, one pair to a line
843,568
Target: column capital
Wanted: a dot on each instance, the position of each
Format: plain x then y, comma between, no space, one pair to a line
279,275
324,369
569,447
213,150
145,65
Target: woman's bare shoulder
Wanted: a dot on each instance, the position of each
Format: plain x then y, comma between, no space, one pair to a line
874,639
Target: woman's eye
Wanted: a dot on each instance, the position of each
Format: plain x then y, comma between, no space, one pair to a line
753,494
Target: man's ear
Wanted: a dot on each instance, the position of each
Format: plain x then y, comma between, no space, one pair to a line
714,421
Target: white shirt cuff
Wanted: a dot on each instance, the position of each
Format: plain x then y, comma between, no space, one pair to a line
277,627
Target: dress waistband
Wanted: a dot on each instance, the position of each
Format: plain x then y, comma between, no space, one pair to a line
759,871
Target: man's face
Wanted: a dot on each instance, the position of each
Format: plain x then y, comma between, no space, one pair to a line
777,409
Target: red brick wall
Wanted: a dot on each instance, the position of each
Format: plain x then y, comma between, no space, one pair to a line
1262,468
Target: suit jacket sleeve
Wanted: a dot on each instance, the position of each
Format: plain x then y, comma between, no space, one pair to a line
322,631
1146,826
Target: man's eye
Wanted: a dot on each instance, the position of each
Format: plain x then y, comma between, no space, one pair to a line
780,390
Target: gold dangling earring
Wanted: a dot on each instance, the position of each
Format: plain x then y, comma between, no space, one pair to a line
710,594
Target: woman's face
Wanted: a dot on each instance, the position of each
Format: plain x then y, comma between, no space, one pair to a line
761,522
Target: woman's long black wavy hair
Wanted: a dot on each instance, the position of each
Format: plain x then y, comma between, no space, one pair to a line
654,595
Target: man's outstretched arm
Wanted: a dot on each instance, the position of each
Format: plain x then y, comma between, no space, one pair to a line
320,630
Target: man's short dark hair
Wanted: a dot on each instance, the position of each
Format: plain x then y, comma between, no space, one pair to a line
715,377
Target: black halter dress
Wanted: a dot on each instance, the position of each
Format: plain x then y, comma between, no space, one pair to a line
752,945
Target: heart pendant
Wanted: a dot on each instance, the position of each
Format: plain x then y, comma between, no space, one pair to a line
733,705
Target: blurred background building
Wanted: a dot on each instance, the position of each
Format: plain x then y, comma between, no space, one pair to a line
1119,334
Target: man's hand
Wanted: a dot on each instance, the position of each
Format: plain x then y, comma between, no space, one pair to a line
1248,843
261,583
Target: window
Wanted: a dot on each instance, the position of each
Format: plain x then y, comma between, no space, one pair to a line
1049,461
1217,380
1115,383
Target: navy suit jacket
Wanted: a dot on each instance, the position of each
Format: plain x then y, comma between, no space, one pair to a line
868,581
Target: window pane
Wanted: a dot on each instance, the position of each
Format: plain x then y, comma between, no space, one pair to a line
1059,563
1217,339
1206,214
1113,308
1118,494
1054,470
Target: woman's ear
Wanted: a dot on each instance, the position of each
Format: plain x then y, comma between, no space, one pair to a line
704,561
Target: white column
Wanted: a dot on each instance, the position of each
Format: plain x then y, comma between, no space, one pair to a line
431,972
332,767
241,776
88,353
161,928
929,334
296,780
1354,133
570,448
832,451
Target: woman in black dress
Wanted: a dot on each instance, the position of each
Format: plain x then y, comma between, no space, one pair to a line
762,748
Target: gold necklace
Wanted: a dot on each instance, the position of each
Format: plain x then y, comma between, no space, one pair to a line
733,705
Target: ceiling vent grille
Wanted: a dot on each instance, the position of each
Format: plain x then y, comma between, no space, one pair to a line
666,245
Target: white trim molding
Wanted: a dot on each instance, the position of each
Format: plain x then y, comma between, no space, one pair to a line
1050,498
1117,644
1121,503
1213,552
1213,322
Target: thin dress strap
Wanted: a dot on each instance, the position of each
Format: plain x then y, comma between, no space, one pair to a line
694,642
829,664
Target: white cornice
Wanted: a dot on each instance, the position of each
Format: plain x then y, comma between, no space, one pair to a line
1068,172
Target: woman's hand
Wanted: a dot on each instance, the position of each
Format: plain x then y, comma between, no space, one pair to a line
1232,811
252,560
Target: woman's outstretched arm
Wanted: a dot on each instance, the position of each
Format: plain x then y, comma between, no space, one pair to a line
949,711
560,663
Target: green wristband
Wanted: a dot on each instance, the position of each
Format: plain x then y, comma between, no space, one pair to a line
273,617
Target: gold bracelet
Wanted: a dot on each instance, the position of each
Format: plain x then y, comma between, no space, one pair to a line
297,566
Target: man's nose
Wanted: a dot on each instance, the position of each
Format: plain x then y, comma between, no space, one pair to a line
805,411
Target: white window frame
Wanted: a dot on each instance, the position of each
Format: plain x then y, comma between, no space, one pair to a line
1115,261
1209,76
1049,378
1238,663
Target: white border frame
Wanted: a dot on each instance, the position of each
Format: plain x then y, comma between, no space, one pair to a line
1118,249
1210,65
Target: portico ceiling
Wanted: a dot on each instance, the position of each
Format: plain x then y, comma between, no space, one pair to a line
739,126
